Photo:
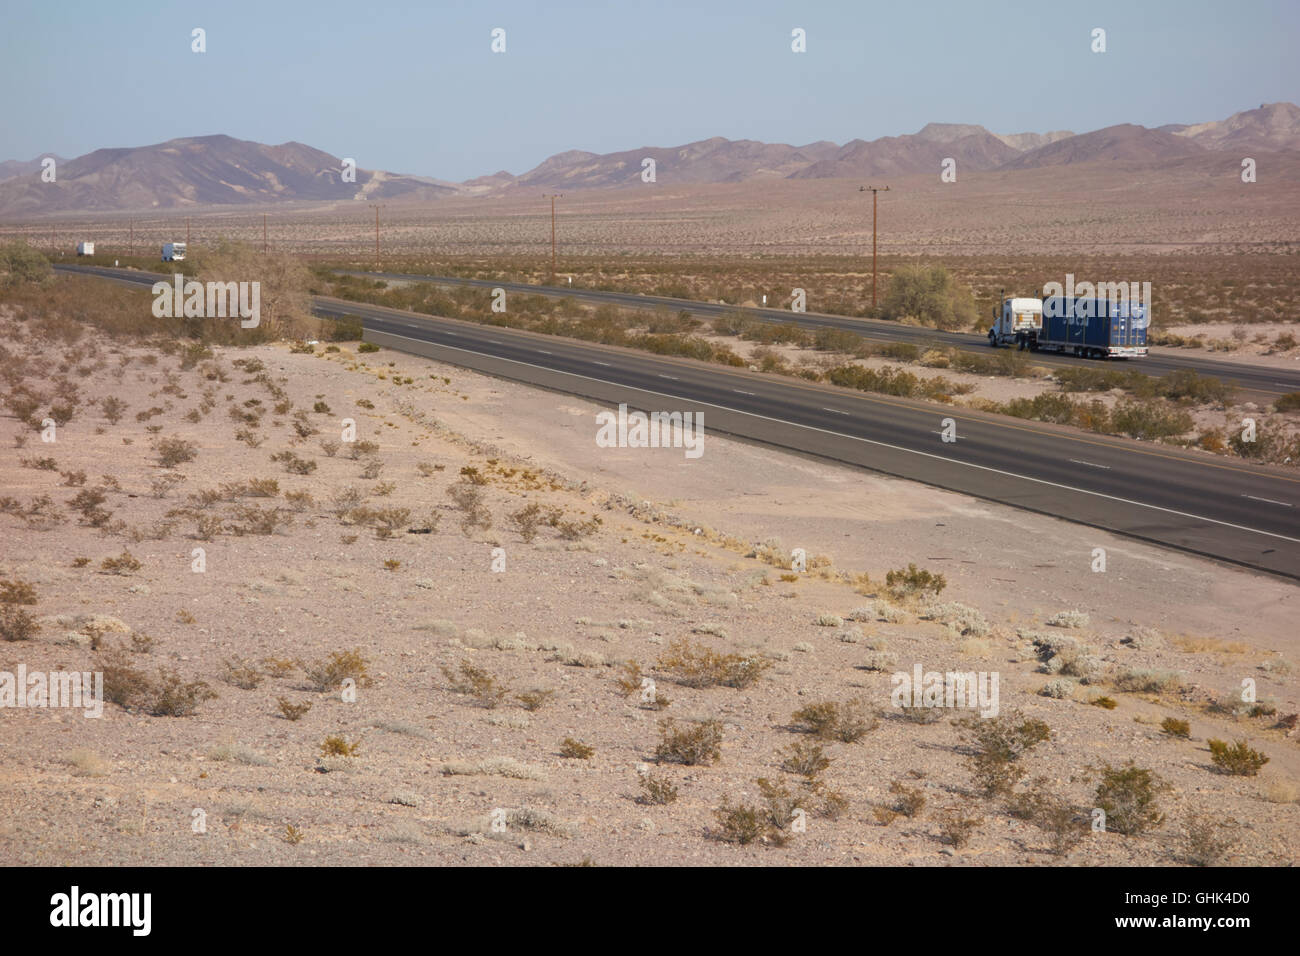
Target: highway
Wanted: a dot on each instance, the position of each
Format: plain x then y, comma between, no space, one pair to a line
1262,384
1220,508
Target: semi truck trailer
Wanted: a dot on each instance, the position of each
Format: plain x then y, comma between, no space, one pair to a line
1094,328
1085,326
85,248
173,251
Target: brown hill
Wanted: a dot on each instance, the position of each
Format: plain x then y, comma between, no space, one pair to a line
201,171
1272,126
1123,143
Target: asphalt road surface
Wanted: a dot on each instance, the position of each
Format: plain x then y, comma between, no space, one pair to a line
1217,507
1260,383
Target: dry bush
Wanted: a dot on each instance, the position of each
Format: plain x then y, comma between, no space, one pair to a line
527,520
656,790
331,672
1238,759
807,760
124,563
1129,797
165,695
955,828
576,749
241,673
999,743
475,682
175,451
699,666
291,711
1203,844
250,519
698,743
830,720
16,591
536,699
909,801
336,745
467,495
17,624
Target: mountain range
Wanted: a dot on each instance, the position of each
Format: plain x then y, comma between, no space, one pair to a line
221,170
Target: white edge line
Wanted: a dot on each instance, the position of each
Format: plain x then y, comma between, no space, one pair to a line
868,441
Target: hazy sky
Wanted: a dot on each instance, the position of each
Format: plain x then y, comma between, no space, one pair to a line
415,88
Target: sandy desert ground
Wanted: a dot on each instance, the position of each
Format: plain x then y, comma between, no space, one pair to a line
684,550
1103,209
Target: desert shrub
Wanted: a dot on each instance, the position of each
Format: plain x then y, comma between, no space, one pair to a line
1237,759
250,519
904,582
577,530
1129,797
367,347
1203,844
576,749
527,520
16,591
1148,682
241,673
1150,420
330,673
166,695
1175,727
1290,402
293,464
955,828
17,624
741,824
909,801
929,295
175,451
999,743
830,720
699,666
124,563
475,682
1065,824
807,760
20,265
657,790
170,696
336,745
291,711
1068,619
699,742
536,699
468,497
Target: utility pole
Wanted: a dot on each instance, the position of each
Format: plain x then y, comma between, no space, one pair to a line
376,238
263,233
187,235
131,241
874,190
553,195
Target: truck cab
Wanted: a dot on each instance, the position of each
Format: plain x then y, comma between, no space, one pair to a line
1018,322
173,252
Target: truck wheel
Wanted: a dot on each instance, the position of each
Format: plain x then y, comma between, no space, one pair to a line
993,340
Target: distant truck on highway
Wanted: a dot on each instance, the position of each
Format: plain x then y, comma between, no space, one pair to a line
173,251
85,248
1088,327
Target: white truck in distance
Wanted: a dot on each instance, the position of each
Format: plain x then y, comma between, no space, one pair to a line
173,251
85,248
1019,323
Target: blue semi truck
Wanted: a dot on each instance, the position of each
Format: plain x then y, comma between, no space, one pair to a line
1085,326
